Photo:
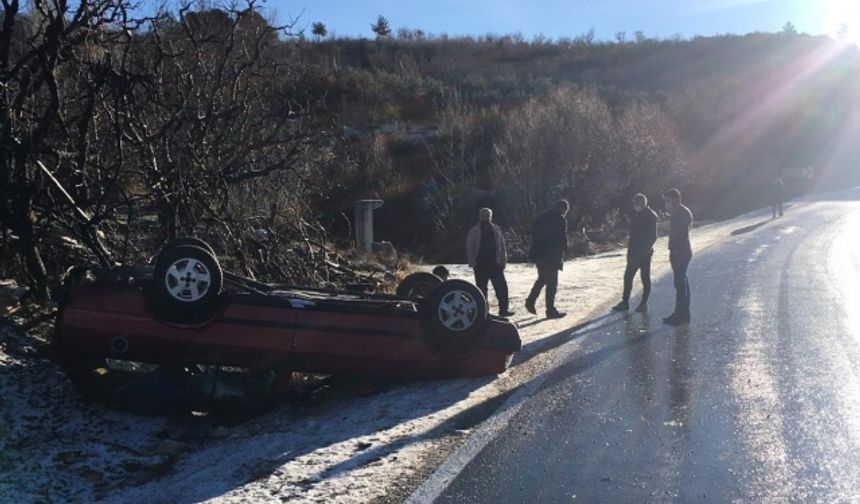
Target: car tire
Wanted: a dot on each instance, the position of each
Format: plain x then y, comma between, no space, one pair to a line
186,284
455,312
418,285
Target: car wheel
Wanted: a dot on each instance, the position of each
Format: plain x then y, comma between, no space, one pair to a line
186,284
418,285
455,312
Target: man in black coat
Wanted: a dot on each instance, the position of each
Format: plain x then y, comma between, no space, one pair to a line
640,249
549,242
680,254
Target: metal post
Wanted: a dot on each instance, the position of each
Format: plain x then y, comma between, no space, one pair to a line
364,223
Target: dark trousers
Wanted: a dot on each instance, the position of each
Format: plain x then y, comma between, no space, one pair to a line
485,273
680,260
547,277
643,266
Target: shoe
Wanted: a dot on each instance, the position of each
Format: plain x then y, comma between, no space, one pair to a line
671,319
622,306
555,314
530,307
506,313
642,308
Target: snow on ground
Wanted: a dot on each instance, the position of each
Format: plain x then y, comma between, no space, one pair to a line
52,447
342,449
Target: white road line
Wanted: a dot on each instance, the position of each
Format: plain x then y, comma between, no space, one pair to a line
433,487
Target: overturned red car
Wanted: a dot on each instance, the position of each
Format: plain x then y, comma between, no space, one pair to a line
184,326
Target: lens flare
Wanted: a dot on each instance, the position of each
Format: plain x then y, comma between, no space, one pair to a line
841,15
845,266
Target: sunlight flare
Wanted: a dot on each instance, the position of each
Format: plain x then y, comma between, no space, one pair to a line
843,14
845,268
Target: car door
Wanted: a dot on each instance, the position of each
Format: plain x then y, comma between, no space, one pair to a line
251,331
338,338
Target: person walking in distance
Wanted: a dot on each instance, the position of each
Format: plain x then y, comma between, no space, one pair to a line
640,249
680,254
777,194
549,242
486,254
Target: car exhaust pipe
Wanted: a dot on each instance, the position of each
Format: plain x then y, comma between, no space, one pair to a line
119,345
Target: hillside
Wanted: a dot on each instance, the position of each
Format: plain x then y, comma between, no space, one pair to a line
444,126
122,131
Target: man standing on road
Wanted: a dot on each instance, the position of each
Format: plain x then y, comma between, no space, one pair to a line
680,254
777,193
549,242
485,251
640,248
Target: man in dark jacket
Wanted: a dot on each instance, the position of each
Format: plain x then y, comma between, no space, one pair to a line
640,248
486,254
680,254
549,242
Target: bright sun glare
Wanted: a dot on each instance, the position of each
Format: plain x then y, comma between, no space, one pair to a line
844,13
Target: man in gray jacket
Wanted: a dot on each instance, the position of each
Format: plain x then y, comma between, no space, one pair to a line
486,254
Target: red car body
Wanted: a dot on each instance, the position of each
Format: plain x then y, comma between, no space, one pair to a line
316,331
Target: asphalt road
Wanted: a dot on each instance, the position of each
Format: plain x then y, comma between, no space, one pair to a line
756,400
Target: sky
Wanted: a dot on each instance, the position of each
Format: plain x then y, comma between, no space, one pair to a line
561,18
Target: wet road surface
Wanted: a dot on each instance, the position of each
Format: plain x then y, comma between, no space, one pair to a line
756,400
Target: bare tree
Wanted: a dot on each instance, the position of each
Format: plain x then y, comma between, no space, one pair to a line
104,125
555,147
228,110
50,117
